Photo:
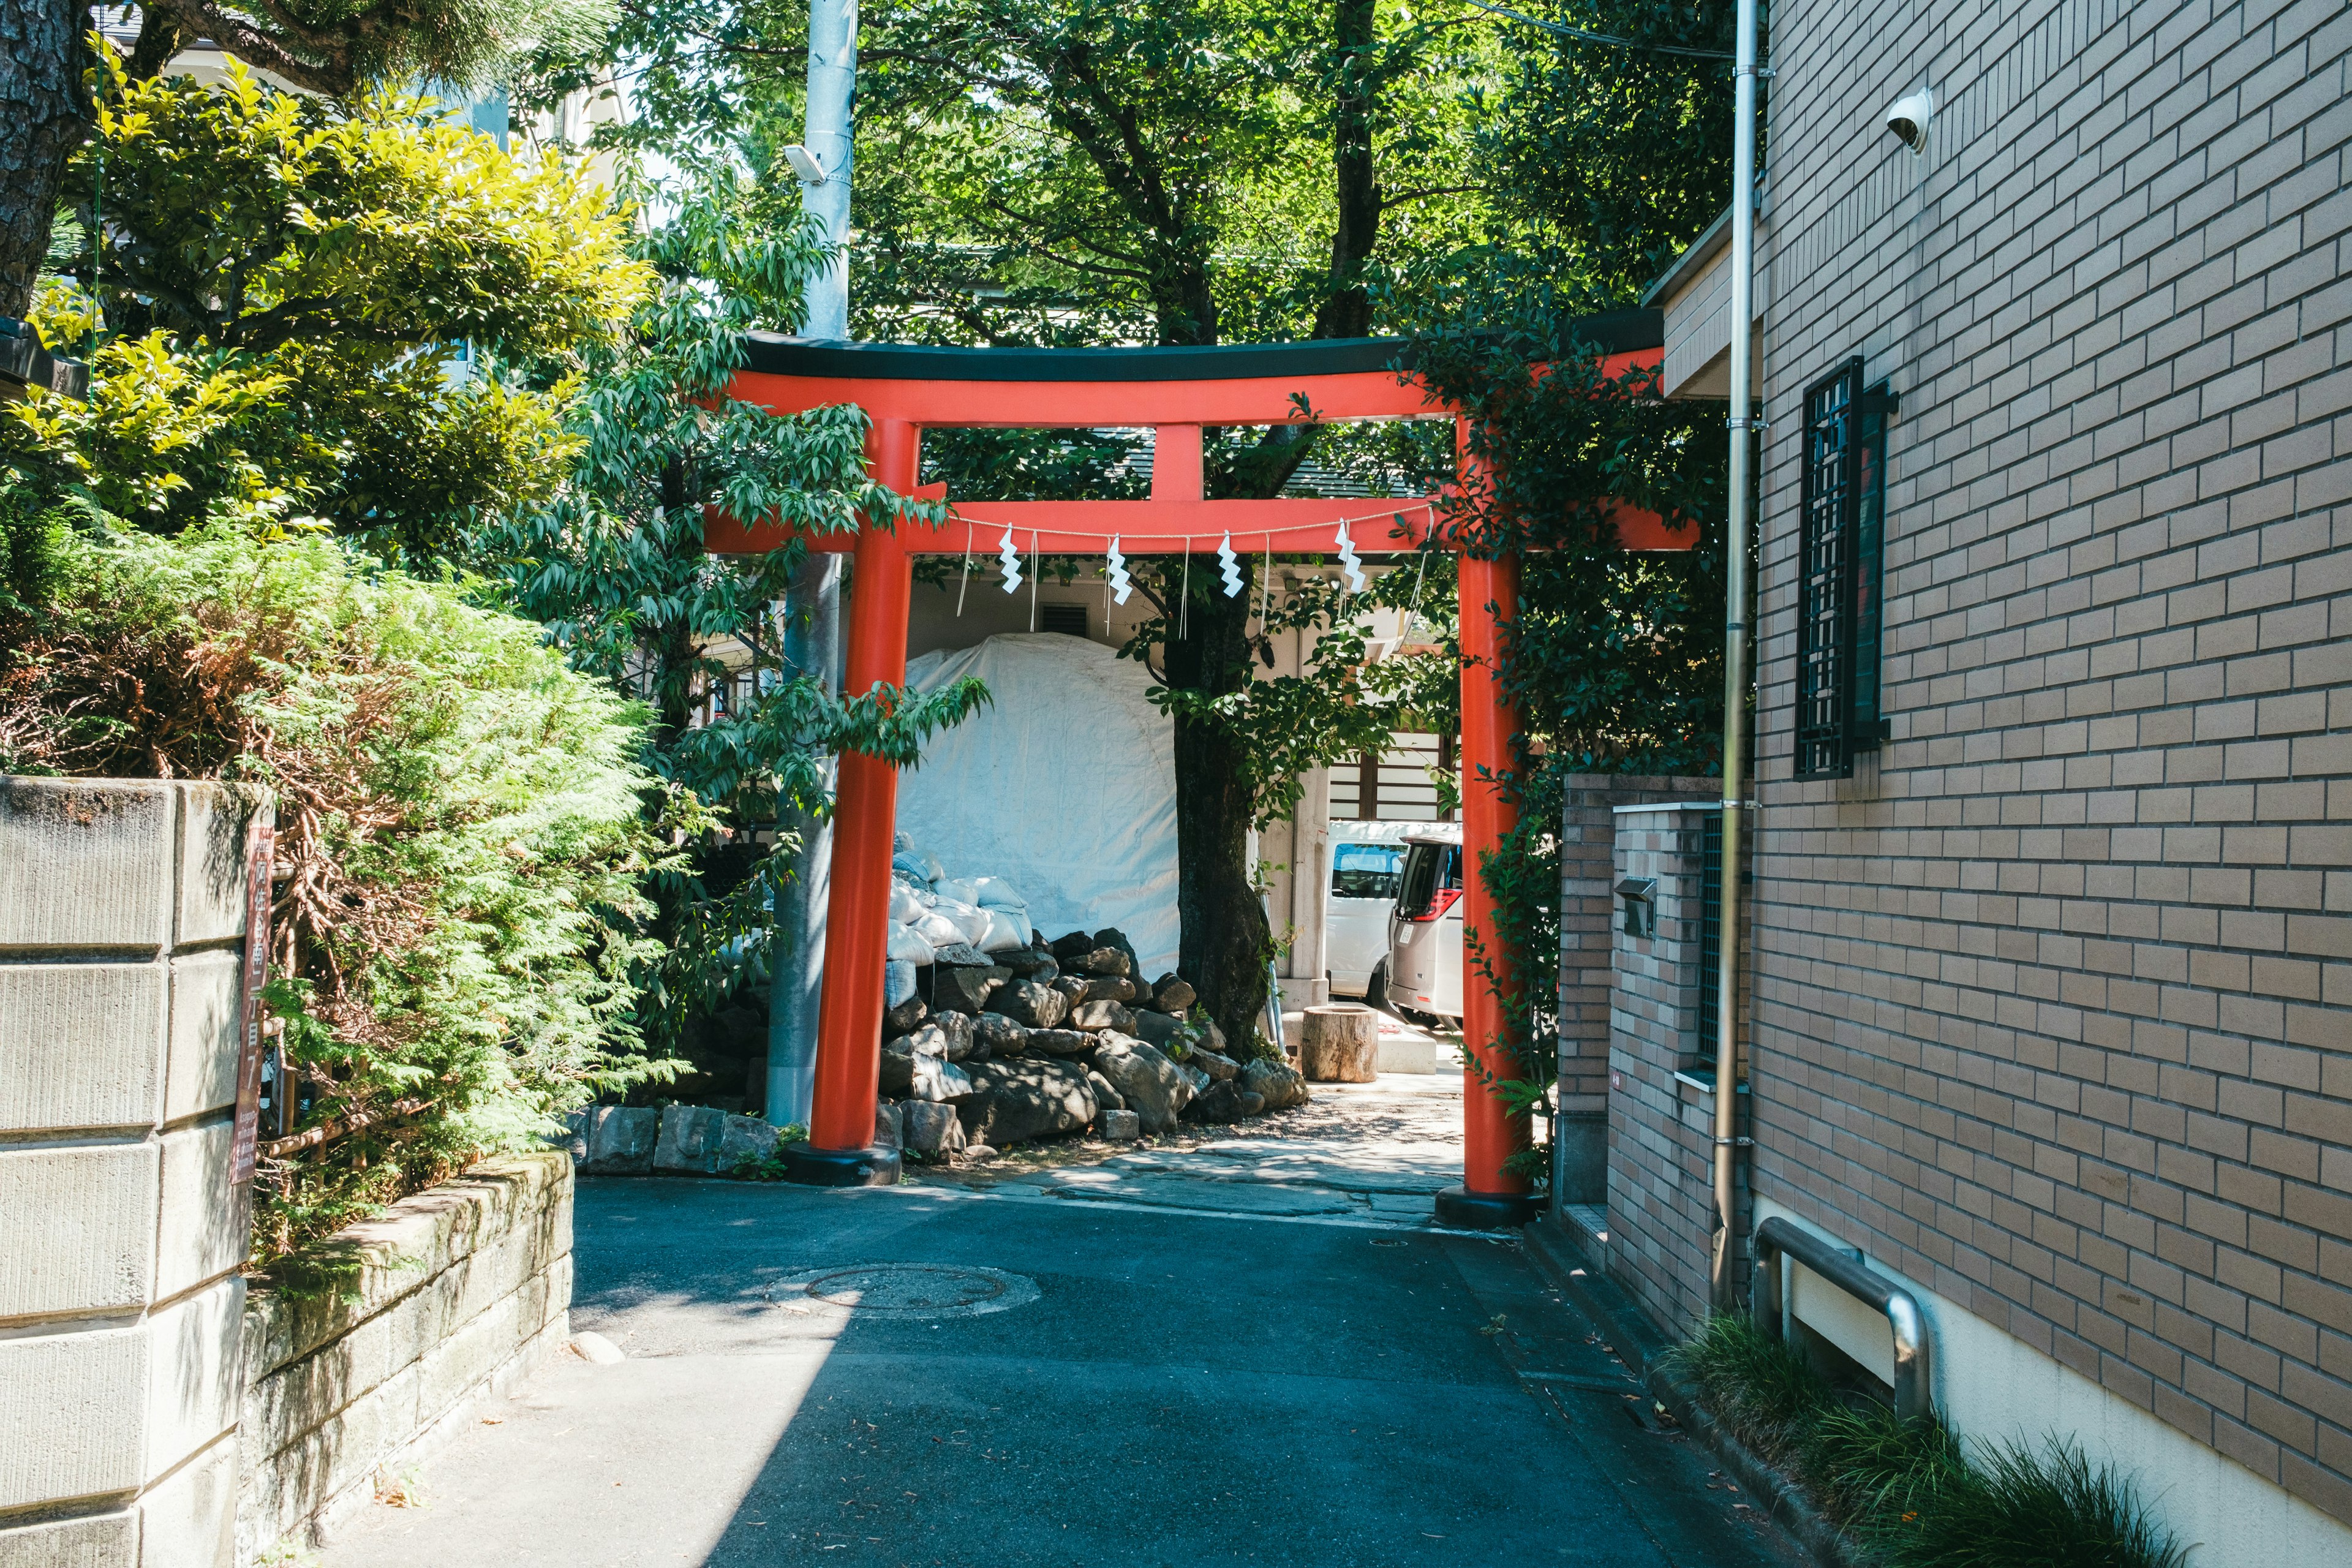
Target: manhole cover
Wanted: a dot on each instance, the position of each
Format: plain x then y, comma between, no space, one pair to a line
907,1290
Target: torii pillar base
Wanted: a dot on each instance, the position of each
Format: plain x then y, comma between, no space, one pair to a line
876,1165
1462,1209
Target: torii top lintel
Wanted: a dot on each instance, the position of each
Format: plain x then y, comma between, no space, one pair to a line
1177,391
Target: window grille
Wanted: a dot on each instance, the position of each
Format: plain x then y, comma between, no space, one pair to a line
1069,619
1843,499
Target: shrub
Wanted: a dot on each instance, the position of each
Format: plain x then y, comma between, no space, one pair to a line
462,833
1908,1490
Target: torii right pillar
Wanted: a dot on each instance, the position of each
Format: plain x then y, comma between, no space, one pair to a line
1490,1197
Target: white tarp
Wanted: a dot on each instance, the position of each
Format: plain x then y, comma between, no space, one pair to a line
1065,787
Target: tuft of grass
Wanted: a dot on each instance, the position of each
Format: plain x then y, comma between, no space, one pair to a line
2028,1508
1757,1385
1910,1490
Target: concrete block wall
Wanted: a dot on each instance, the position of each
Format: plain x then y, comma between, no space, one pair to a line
122,930
450,1296
1588,922
1661,1206
2053,997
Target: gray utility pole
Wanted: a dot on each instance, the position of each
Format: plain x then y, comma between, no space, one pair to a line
813,603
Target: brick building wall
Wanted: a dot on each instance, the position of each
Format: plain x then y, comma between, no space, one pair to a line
1661,1198
1587,959
2053,997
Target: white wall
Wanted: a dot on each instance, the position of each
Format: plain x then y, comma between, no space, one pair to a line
1992,1387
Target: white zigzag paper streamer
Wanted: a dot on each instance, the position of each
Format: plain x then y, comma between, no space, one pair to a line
1349,563
1117,571
1011,559
1229,566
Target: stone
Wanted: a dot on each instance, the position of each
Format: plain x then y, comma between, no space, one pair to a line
1278,1084
1253,1104
1172,993
1195,1076
996,1035
1340,1042
1068,948
1093,1016
1030,963
1221,1102
976,1154
1159,1030
1213,1037
897,1067
959,1029
960,955
888,1125
1111,936
961,988
1031,1003
595,1348
621,1139
1154,1088
1121,1126
1110,988
747,1137
1071,988
1210,1062
931,1128
905,1017
936,1079
689,1140
1028,1099
930,1040
1059,1042
1105,1097
1108,961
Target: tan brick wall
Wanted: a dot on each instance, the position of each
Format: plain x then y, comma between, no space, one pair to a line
1587,958
2053,1000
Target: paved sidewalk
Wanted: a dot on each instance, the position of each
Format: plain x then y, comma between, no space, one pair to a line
976,1379
1373,1152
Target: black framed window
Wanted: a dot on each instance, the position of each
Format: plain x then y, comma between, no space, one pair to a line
1710,936
1840,545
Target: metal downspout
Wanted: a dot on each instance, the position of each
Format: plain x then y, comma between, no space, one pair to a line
1737,656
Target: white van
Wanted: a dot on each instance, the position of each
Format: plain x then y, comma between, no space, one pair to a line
1423,977
1367,869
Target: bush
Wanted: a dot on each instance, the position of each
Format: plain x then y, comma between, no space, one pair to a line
1908,1490
462,837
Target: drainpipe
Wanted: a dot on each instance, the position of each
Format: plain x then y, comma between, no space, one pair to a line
1736,654
812,602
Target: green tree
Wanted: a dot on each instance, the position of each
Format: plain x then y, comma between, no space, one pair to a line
281,281
332,47
612,562
1094,171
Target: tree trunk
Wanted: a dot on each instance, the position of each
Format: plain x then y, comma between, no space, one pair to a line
1225,939
41,105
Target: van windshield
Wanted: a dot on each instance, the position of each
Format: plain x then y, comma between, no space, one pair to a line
1366,870
1429,870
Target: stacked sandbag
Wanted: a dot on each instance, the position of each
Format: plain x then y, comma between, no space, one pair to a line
1036,1041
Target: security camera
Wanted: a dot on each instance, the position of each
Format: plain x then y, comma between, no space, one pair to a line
803,163
1908,118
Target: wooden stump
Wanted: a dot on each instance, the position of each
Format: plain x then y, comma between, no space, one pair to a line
1340,1043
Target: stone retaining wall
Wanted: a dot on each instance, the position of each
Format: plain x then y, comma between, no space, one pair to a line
121,931
460,1291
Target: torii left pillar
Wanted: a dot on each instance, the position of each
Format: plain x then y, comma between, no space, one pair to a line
842,1150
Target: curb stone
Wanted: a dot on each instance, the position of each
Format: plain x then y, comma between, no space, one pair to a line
1783,1500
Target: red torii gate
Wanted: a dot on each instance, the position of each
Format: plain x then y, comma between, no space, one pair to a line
1177,391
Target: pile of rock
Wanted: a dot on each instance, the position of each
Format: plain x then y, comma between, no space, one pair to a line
1033,1042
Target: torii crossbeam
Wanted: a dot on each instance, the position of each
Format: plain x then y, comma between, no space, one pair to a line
1177,391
